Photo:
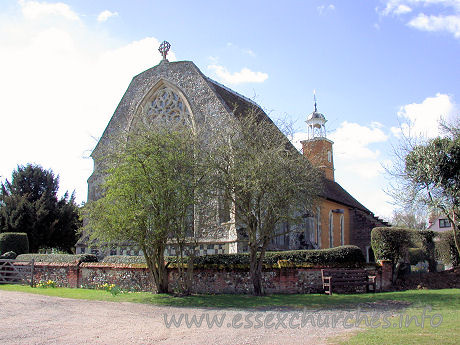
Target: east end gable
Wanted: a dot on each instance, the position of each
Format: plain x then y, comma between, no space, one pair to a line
182,77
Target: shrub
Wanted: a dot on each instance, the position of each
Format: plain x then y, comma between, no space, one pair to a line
446,250
8,256
332,257
14,242
417,255
124,259
58,258
391,243
427,245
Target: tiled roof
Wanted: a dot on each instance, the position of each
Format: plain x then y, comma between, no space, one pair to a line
334,192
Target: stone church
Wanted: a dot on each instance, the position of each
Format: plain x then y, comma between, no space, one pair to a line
180,91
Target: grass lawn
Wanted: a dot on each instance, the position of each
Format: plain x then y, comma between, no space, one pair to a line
444,302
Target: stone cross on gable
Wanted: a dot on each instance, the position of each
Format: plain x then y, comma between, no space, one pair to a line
164,49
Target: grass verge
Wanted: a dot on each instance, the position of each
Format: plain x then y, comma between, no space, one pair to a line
444,302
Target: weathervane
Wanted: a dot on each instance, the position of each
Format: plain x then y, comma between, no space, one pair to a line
314,97
164,49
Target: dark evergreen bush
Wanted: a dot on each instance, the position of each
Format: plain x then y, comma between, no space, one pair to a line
14,242
417,255
391,243
343,256
446,251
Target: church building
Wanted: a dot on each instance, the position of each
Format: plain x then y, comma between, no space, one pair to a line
180,91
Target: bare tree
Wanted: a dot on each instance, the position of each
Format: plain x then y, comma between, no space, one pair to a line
266,180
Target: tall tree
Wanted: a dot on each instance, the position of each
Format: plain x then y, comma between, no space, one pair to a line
29,203
429,175
148,194
265,178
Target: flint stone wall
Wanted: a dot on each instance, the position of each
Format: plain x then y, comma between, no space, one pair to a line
206,281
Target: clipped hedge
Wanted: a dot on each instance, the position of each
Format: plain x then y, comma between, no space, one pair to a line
446,250
124,259
8,256
58,258
391,243
417,255
333,257
14,242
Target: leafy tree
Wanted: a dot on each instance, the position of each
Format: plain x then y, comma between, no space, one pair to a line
148,195
265,179
430,175
29,204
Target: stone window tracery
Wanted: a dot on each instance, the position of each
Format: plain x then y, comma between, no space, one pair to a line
167,105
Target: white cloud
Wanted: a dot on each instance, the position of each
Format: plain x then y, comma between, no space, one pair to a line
450,24
444,14
59,89
352,140
36,10
422,119
352,151
323,8
104,15
402,9
243,76
358,163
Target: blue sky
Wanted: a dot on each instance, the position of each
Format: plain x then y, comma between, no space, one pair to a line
378,67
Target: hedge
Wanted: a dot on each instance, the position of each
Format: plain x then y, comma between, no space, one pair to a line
417,255
124,259
8,256
391,243
446,250
58,258
333,257
14,242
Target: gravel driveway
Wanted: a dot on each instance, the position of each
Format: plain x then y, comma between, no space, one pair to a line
34,319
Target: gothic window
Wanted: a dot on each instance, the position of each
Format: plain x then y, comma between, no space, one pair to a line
331,230
342,230
167,105
318,226
224,208
309,230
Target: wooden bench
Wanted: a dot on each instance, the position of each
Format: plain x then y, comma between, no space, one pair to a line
344,278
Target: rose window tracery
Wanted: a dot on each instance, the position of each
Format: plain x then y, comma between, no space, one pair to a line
167,105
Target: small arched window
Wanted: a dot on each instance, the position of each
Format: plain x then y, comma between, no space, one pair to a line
342,230
318,226
331,230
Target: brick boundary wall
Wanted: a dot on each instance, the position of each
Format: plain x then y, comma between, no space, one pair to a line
206,281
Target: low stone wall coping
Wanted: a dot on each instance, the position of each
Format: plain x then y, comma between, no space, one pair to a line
112,265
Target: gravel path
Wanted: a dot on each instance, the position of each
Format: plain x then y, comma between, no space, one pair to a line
34,319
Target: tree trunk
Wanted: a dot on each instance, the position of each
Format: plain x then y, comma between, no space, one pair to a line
256,272
157,268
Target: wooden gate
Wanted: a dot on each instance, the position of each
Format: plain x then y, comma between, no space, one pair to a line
17,272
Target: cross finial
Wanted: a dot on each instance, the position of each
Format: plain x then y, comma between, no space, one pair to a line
164,49
314,97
